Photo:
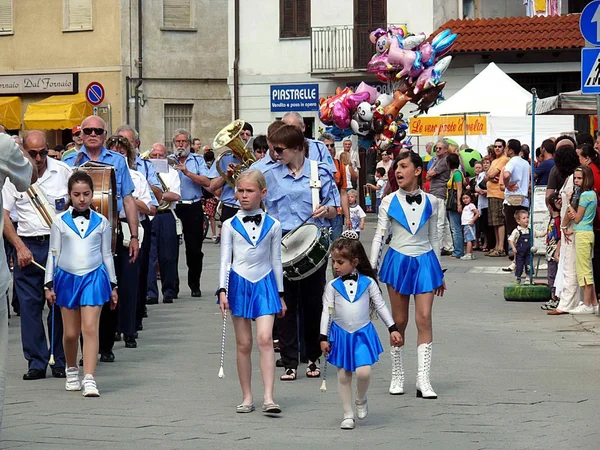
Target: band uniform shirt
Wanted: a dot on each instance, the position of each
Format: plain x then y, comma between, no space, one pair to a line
140,192
227,192
289,199
16,168
264,164
52,185
117,161
171,179
147,169
318,152
191,191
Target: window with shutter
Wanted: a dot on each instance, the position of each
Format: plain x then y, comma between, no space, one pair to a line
78,15
368,15
176,116
6,17
177,15
294,18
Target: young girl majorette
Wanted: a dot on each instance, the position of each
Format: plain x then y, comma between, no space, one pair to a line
251,284
84,279
411,265
352,342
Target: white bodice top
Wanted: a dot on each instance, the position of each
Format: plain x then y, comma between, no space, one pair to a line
81,245
414,226
350,302
252,250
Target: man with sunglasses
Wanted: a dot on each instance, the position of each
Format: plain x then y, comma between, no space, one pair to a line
31,242
316,149
94,133
438,175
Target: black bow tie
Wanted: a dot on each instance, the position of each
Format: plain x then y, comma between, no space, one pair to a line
85,213
350,276
256,219
417,198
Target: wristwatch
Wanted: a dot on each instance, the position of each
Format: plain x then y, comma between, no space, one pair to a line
134,236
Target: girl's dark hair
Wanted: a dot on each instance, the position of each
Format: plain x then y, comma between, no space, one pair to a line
453,161
260,143
565,161
588,151
468,195
415,160
80,177
289,137
588,178
554,197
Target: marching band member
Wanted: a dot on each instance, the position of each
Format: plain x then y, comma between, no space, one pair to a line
165,242
32,244
193,175
290,200
316,149
94,129
253,287
270,160
411,265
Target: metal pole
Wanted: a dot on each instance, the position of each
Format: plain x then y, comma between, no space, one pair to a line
465,127
532,197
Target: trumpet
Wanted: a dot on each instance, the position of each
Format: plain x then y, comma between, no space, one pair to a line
41,206
230,137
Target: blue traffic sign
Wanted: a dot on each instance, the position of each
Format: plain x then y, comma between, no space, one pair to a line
589,22
590,71
94,93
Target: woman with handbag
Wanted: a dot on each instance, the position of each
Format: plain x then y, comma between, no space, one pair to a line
453,205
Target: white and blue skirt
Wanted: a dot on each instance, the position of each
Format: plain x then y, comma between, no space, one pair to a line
411,275
251,300
91,289
352,350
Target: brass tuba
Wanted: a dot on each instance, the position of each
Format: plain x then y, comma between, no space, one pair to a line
164,205
230,137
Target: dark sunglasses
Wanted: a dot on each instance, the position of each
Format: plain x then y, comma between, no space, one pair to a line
96,131
117,140
330,145
77,134
279,150
498,146
34,154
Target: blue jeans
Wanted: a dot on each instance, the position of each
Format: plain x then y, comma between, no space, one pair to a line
337,226
457,234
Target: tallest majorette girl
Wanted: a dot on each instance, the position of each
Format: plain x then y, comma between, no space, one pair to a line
411,265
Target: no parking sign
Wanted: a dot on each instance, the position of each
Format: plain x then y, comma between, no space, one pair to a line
94,93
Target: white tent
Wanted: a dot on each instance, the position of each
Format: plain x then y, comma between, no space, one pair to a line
504,104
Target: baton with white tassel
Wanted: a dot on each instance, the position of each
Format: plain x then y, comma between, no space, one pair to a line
324,383
224,331
51,361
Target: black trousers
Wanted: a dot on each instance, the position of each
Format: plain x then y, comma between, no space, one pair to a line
306,294
144,258
192,220
227,212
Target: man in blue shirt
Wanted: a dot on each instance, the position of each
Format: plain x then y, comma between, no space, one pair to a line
542,172
193,174
93,134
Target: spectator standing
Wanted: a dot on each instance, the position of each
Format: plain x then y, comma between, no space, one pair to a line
438,176
385,163
454,207
496,197
542,171
516,177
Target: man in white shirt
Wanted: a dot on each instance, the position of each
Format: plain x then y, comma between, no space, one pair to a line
16,168
517,177
32,243
165,242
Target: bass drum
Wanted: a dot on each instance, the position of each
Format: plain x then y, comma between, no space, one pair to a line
304,251
105,195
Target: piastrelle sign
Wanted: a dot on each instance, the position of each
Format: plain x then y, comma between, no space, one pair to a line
63,83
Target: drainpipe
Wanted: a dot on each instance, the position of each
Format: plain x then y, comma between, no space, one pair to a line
140,70
460,9
236,60
127,90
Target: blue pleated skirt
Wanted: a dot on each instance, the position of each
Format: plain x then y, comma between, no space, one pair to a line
352,350
251,300
411,275
91,289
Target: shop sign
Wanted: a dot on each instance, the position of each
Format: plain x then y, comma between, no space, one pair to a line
64,83
294,97
448,125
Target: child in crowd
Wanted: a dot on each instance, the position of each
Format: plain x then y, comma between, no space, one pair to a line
583,217
81,278
482,206
552,235
468,218
357,215
519,241
351,342
478,168
380,186
251,284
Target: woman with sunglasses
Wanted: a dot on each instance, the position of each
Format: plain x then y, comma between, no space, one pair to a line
143,200
289,199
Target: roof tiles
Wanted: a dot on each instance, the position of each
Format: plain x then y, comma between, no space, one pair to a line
515,34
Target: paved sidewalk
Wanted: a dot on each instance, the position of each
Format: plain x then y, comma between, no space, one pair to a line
507,376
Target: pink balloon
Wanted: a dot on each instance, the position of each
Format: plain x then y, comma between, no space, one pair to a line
341,116
364,87
352,101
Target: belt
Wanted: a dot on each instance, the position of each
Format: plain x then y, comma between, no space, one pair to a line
166,211
230,205
42,238
188,202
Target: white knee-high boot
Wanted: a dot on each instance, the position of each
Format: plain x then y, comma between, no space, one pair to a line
424,388
397,383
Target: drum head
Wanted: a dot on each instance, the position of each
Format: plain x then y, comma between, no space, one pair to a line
298,243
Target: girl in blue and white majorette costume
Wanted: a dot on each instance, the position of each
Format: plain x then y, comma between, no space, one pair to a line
251,284
81,278
349,302
411,265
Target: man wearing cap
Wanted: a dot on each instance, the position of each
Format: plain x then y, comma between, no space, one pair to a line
77,139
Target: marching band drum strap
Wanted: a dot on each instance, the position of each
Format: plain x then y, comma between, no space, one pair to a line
40,204
315,183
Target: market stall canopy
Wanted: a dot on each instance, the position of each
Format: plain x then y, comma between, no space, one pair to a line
565,103
58,112
491,91
10,112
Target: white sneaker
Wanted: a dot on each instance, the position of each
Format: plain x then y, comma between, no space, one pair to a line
596,309
89,387
362,409
582,309
72,383
467,257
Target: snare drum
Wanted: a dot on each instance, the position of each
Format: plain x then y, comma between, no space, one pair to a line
304,251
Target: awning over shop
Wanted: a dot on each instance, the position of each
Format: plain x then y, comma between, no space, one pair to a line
10,112
58,112
565,103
